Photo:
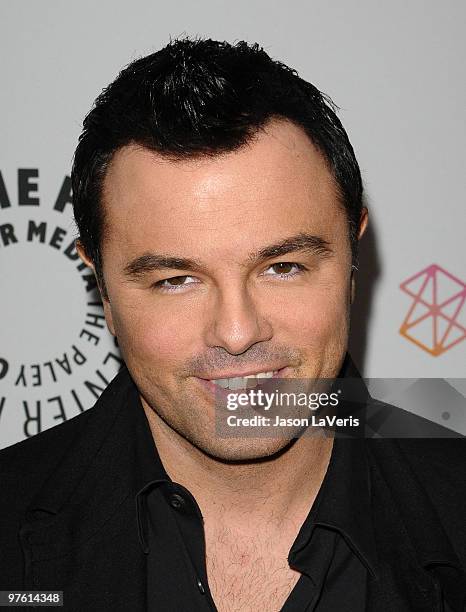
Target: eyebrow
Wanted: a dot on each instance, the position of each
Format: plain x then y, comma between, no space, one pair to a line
152,262
314,245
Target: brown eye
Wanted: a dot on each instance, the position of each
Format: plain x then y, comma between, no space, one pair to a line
283,267
176,280
175,283
284,270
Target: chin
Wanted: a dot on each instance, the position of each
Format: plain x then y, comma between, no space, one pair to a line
245,449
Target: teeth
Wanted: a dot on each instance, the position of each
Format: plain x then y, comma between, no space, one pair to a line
235,383
243,382
260,375
221,382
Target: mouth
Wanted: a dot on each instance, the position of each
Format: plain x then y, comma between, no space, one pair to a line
242,382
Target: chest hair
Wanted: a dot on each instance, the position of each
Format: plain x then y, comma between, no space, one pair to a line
248,574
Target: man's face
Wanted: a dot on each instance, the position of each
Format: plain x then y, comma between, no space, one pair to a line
224,266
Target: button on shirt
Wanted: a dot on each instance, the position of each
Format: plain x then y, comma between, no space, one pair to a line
334,550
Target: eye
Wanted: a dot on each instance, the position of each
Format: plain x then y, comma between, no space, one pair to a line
175,283
284,269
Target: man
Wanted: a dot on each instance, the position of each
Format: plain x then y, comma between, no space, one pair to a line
218,201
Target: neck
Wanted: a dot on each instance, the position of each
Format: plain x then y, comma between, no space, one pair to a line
281,487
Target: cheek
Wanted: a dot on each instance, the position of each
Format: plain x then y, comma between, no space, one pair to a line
316,317
153,337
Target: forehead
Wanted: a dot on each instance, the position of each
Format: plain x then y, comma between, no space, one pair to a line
278,179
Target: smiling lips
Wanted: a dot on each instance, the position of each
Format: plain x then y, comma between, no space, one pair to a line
244,382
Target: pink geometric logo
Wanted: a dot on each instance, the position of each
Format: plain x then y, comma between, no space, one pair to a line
436,320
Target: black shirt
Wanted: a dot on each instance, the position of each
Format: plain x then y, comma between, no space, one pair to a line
334,549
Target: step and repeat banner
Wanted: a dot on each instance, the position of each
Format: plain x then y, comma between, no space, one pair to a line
396,72
56,354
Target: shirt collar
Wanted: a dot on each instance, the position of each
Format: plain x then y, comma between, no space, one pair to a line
149,470
149,466
343,504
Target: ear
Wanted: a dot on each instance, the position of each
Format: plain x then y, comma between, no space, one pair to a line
105,301
363,221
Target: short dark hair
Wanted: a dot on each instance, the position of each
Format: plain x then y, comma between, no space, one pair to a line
201,97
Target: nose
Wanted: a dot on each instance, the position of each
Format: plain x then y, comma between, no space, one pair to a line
236,322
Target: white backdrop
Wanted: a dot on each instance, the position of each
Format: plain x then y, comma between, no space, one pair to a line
395,68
